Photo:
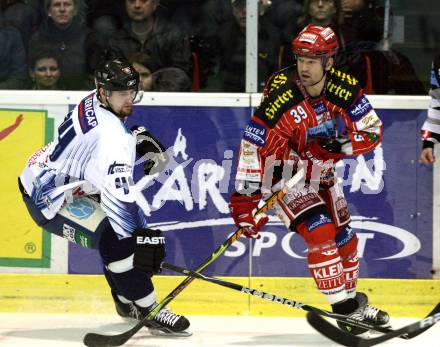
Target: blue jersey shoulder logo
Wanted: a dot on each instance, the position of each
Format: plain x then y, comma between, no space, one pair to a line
255,133
86,114
360,108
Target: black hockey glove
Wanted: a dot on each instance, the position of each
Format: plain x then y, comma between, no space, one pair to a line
330,145
151,151
149,251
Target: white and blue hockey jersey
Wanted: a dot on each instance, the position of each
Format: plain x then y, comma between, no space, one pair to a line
94,152
431,126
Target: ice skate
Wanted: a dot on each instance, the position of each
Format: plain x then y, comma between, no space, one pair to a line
364,312
370,313
129,311
167,323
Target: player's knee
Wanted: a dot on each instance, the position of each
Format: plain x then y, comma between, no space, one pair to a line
347,241
112,249
121,266
317,229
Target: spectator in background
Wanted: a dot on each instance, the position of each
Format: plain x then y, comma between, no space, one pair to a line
325,13
137,60
105,17
284,14
380,71
195,20
44,71
320,12
431,127
362,21
168,7
170,79
65,32
155,36
233,48
359,26
12,57
25,15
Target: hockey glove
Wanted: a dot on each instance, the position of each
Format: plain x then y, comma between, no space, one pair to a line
242,210
152,152
149,251
321,155
324,149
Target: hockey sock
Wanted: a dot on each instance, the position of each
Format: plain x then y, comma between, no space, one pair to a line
347,241
323,256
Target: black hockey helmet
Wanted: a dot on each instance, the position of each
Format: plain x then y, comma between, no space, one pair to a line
116,74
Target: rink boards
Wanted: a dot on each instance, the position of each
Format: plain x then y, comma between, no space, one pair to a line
390,198
89,294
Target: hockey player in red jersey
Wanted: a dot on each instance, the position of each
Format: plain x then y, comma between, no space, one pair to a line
295,125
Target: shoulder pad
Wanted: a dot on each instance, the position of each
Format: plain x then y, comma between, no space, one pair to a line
86,114
341,89
282,95
279,78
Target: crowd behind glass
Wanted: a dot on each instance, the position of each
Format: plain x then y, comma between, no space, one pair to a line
190,45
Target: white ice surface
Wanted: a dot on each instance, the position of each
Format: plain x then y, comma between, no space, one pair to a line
52,330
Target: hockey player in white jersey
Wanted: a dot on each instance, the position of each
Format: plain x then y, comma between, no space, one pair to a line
94,156
431,127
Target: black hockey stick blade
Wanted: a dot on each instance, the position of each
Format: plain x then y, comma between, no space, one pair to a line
331,331
434,313
98,340
346,339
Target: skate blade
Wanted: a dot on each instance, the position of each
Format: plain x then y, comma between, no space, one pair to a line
169,333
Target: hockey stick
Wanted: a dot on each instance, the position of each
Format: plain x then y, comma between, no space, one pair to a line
280,300
99,340
344,338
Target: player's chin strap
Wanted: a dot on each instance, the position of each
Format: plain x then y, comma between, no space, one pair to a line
324,62
323,76
95,340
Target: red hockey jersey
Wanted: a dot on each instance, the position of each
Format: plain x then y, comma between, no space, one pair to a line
287,118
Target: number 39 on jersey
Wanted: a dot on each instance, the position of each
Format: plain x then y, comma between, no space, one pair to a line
298,113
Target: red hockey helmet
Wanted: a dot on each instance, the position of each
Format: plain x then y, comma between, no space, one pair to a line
315,41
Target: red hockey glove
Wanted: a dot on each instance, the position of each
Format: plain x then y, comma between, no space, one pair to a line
242,210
